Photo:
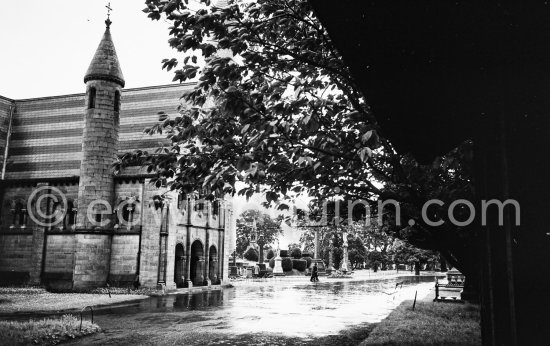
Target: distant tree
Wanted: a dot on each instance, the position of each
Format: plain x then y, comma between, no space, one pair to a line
296,253
267,230
357,253
377,238
405,253
251,255
293,246
375,260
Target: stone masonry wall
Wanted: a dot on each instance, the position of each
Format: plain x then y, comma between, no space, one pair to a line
92,260
60,251
16,251
150,236
124,251
59,261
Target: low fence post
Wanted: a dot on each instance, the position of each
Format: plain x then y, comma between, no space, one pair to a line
83,309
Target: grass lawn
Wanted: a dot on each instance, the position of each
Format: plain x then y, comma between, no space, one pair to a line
30,299
429,324
45,331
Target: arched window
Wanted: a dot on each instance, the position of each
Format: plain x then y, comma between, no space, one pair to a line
13,211
21,213
216,207
98,215
91,98
70,218
58,214
128,212
198,205
117,101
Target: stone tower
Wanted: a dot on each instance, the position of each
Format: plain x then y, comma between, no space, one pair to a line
104,81
95,221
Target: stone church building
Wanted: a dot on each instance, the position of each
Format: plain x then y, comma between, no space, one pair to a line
68,222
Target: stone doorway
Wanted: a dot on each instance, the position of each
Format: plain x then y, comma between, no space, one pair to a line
179,266
197,264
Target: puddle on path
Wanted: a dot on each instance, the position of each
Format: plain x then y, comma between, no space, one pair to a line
299,310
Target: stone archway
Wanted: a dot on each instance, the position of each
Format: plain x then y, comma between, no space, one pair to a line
179,265
213,265
197,263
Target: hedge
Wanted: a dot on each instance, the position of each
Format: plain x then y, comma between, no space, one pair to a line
296,253
308,260
272,263
287,264
251,255
270,254
299,264
283,253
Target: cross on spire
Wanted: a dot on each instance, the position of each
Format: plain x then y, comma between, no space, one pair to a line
109,9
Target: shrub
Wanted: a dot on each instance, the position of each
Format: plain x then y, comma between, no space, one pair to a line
251,255
48,331
306,254
308,261
296,253
287,264
299,264
270,254
283,253
272,263
22,290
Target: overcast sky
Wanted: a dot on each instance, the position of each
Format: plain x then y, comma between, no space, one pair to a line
48,45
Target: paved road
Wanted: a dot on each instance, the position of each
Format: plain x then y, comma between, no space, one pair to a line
283,313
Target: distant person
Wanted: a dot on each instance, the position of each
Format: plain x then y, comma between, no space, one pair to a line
314,273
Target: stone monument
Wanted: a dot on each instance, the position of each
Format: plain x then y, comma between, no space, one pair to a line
344,266
278,268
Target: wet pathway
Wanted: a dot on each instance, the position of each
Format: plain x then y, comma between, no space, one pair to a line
276,313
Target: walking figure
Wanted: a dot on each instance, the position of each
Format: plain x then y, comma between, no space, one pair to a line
314,273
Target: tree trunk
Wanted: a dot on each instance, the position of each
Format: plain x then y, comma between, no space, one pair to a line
417,268
442,263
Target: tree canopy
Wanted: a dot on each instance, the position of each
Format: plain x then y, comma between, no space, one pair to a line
267,230
275,106
282,110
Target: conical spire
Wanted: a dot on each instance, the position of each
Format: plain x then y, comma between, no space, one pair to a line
104,65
